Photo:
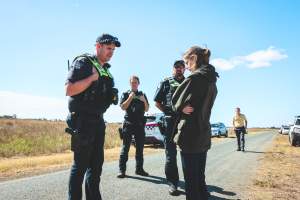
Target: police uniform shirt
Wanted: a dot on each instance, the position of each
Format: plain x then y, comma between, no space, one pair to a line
164,93
82,68
136,108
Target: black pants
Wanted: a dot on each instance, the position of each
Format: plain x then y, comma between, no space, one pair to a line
138,131
88,160
193,165
171,169
240,136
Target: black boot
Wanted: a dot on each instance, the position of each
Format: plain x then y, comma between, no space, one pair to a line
141,172
173,190
121,175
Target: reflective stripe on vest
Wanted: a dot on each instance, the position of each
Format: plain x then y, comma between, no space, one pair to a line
173,83
102,71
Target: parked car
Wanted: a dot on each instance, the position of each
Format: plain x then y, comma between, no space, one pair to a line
284,130
294,133
219,129
153,132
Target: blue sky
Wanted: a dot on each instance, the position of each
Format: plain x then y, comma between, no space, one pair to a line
254,48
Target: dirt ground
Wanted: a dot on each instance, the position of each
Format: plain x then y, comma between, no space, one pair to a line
278,173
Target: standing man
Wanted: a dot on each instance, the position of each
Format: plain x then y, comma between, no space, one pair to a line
90,88
163,101
239,123
135,103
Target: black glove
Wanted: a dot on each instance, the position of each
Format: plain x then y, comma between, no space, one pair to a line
115,98
121,133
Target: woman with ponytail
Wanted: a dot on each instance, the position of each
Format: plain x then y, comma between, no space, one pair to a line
193,101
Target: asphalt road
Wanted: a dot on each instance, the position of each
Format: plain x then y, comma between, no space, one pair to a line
228,173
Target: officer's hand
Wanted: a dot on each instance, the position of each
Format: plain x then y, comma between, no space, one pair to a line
143,99
95,75
132,95
188,110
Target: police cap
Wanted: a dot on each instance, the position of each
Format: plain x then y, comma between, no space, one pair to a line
108,39
178,63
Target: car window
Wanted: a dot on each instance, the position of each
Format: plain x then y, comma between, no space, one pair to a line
215,125
297,122
150,119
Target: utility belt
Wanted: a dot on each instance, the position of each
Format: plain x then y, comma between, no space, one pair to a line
74,120
168,111
128,124
79,126
135,120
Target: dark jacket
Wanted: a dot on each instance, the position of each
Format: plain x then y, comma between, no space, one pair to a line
193,133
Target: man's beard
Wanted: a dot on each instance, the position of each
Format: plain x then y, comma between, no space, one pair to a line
179,76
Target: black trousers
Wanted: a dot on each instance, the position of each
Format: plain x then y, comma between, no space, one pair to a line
88,160
193,165
171,169
138,131
240,136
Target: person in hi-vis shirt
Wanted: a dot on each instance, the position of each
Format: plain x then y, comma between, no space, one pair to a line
240,125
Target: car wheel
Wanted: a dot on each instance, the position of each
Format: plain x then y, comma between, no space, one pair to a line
161,144
219,134
226,134
292,140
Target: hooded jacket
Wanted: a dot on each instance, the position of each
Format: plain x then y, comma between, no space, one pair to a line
193,132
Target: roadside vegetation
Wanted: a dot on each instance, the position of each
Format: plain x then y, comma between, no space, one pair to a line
278,174
37,137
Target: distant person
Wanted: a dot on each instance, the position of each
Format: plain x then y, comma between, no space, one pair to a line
193,101
90,87
163,101
135,103
239,123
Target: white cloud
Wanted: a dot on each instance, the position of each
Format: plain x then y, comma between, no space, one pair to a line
257,59
32,106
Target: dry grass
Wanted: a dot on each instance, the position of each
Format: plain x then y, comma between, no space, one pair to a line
278,176
32,137
38,137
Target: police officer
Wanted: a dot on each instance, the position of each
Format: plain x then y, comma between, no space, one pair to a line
163,99
135,103
90,87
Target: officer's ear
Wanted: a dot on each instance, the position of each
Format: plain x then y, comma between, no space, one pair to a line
98,45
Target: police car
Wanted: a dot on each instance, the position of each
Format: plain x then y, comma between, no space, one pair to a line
294,133
152,130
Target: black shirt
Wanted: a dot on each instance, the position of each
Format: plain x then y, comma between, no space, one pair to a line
97,97
136,109
165,92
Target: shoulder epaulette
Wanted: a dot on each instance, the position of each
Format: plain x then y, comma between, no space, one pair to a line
83,56
167,79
